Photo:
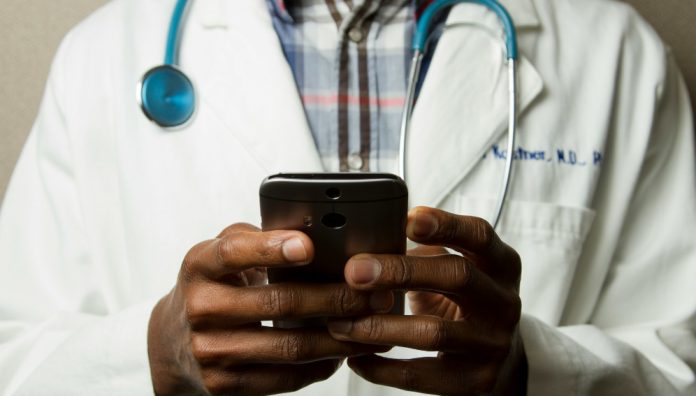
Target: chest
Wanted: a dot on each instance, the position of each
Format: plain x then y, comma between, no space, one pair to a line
177,189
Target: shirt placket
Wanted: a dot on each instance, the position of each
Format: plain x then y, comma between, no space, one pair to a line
354,77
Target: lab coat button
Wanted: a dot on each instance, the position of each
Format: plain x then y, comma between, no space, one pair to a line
355,161
356,34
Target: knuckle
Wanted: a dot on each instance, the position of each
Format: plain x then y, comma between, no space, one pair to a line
186,273
433,333
371,328
225,249
200,349
288,302
462,273
267,249
197,308
229,229
191,262
402,274
349,302
483,233
290,347
279,302
451,228
237,227
344,304
270,302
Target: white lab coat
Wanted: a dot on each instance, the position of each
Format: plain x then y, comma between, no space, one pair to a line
103,205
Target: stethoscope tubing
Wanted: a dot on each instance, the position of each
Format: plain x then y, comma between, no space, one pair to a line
420,36
420,41
419,47
416,63
512,133
166,94
171,54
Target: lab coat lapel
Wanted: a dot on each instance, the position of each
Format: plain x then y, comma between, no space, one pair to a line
461,111
249,86
462,108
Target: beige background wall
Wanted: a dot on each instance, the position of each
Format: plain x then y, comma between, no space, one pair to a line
30,31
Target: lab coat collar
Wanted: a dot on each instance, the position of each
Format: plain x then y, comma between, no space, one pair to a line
456,91
462,109
213,12
247,88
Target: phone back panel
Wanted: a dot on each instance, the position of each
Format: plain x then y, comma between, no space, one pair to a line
343,214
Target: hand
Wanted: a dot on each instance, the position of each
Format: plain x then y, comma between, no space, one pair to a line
466,307
205,336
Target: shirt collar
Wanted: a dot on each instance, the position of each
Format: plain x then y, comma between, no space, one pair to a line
523,12
281,8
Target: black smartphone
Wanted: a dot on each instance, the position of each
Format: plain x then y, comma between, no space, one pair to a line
343,214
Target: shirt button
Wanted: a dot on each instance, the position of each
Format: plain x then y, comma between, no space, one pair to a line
355,161
356,34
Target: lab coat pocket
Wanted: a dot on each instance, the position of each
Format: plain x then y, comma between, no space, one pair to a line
549,238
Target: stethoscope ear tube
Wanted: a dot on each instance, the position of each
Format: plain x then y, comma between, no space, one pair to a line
420,36
408,109
420,39
512,132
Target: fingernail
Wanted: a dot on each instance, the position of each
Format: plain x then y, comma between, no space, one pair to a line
365,270
381,300
341,326
294,250
424,225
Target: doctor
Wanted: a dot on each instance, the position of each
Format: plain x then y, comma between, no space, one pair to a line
104,206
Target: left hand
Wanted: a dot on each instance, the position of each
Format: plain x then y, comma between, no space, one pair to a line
466,307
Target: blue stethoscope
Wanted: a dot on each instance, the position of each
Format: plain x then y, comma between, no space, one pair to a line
165,93
168,98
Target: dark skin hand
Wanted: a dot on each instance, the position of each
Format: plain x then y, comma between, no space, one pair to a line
205,336
465,307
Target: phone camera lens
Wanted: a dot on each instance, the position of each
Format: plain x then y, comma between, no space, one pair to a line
333,193
333,220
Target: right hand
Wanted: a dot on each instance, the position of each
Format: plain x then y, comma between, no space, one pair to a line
205,336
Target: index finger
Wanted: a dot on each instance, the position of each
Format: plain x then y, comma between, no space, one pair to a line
471,289
241,249
465,234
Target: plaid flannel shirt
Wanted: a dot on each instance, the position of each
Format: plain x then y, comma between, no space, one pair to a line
350,60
